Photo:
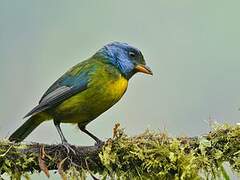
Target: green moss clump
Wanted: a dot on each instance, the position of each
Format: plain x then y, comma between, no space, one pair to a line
151,155
157,156
14,162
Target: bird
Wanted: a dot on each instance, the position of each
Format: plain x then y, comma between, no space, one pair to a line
86,90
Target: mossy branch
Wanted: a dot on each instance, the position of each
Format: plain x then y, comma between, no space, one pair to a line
151,155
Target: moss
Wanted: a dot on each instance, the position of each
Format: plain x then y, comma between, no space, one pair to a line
151,155
158,156
14,162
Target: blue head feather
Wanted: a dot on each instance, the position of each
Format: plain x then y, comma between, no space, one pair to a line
119,55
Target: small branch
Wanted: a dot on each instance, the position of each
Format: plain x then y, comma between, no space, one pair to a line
27,157
148,155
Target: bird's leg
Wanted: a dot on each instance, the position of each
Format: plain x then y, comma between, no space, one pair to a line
63,139
57,125
83,129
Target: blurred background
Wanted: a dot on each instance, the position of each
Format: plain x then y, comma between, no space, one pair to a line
191,46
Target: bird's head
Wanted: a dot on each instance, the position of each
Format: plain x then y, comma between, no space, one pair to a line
128,59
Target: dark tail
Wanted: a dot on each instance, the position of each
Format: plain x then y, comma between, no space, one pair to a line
23,131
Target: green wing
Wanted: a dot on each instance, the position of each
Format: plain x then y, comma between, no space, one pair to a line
74,81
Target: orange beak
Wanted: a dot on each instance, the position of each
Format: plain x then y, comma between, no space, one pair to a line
144,69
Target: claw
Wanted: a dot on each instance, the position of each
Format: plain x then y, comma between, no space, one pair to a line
99,143
68,148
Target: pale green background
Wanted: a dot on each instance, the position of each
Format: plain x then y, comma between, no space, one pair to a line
193,48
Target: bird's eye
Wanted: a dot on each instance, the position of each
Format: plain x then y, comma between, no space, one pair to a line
132,54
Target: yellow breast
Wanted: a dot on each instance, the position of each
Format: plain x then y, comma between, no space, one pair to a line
118,87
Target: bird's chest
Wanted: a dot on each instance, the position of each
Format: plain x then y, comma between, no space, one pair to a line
114,89
106,93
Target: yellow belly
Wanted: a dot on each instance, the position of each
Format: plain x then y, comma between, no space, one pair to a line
89,104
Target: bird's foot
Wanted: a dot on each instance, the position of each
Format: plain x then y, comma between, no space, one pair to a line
68,148
99,143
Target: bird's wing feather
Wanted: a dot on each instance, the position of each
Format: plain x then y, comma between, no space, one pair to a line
74,81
